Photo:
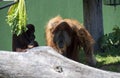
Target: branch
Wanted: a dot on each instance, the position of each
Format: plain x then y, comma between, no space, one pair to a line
44,62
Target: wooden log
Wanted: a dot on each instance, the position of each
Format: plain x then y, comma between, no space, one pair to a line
44,62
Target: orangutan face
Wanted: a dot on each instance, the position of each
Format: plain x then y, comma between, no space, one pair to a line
62,37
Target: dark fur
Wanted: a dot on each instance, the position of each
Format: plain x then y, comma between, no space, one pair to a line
25,40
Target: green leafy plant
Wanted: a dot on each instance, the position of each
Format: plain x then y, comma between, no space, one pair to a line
111,40
17,17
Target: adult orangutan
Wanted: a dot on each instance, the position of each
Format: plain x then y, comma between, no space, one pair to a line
67,36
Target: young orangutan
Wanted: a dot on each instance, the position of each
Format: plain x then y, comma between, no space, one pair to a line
24,41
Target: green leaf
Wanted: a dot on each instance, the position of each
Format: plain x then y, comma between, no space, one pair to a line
17,17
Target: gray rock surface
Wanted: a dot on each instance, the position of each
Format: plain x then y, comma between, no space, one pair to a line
44,62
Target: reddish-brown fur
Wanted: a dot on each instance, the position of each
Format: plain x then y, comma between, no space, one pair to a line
80,37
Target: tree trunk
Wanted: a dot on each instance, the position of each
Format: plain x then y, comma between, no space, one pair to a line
44,62
93,19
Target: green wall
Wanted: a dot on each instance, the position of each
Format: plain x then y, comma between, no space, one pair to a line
5,33
111,17
40,11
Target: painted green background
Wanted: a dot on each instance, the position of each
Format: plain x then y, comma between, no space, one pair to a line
40,11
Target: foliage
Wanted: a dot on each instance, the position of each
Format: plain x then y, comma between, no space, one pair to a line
109,60
110,44
111,40
17,17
